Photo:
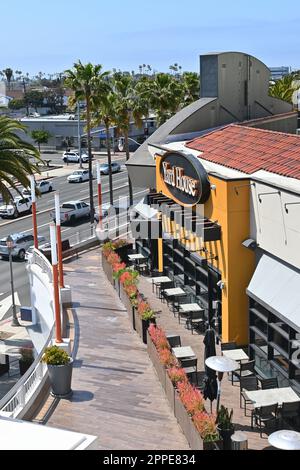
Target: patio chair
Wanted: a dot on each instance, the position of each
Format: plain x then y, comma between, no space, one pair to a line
177,305
246,370
266,384
228,346
247,384
163,286
190,367
141,265
264,415
195,320
290,412
174,341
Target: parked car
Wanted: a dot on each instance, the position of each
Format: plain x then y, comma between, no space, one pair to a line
21,243
44,245
74,157
71,211
78,176
41,187
104,168
19,206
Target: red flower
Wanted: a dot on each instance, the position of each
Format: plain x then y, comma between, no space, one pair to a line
177,375
191,398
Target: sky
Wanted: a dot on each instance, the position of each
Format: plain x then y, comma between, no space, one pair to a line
50,36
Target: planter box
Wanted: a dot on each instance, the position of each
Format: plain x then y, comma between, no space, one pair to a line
170,392
107,268
188,428
160,369
127,304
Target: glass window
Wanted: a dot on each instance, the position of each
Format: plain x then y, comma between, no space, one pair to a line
280,360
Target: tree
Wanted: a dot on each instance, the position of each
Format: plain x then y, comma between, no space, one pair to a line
34,99
285,88
127,106
85,81
190,88
17,104
15,157
105,113
165,95
9,75
40,136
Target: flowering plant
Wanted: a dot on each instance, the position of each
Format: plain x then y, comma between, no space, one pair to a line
107,249
158,337
167,358
113,258
118,269
177,375
132,291
206,425
129,277
191,398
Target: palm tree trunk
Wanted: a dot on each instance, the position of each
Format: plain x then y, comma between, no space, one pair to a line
127,158
111,196
88,125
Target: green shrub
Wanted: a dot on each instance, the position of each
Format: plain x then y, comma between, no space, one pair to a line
55,356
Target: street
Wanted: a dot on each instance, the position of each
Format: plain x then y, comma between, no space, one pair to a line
73,233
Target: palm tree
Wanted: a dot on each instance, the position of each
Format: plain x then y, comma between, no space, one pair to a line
285,88
165,96
104,112
190,88
15,157
127,106
85,80
8,74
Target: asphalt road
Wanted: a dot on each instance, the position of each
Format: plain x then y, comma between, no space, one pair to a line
74,233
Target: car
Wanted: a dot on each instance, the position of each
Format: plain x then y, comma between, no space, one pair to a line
78,176
71,211
74,157
21,243
104,168
18,206
42,187
44,245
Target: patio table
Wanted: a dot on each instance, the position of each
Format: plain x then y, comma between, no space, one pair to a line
159,280
137,256
176,291
187,308
236,354
183,352
271,396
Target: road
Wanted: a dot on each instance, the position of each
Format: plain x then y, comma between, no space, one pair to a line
74,233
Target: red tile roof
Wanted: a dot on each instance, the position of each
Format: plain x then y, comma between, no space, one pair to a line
250,149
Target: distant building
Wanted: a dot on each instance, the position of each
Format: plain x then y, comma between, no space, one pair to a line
277,73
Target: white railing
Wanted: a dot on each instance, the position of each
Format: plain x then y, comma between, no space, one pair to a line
40,260
17,400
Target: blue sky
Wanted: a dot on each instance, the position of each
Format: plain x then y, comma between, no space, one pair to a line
50,36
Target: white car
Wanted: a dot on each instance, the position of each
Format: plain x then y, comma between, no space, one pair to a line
74,157
78,176
19,206
42,187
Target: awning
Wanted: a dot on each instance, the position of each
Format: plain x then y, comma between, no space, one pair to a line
277,286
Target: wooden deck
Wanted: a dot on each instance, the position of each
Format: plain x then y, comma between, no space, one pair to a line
117,396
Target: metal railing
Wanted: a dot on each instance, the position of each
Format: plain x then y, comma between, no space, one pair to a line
14,402
40,260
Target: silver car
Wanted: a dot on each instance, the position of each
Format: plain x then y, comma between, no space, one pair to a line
21,243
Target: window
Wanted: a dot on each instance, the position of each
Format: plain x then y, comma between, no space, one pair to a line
83,204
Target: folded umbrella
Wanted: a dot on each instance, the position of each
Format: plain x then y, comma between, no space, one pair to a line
210,389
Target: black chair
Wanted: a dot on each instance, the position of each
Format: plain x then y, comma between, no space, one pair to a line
195,321
266,384
246,370
290,412
163,286
228,346
247,384
4,365
174,341
190,367
264,415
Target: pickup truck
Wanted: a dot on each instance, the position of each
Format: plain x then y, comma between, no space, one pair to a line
71,211
17,207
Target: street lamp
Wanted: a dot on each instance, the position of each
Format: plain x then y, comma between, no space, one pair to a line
10,245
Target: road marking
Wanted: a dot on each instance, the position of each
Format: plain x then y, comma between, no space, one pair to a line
6,304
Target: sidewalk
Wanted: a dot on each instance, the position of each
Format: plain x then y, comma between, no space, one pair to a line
116,394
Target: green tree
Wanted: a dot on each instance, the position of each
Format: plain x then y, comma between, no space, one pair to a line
9,75
190,88
85,81
34,98
285,88
165,94
40,136
18,158
16,104
104,112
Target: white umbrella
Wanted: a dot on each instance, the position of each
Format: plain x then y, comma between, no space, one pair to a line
221,364
285,440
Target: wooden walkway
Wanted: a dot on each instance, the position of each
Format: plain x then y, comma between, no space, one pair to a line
117,396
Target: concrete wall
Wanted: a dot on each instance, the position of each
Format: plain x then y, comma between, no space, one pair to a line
275,230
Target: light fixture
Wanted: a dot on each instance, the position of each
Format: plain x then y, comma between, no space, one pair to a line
267,194
221,284
250,244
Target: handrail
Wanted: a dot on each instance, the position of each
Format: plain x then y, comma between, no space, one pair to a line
15,400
